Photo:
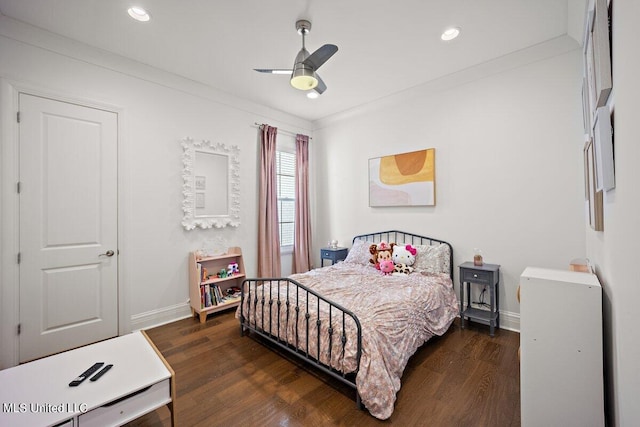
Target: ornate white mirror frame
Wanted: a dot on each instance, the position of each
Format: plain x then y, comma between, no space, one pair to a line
211,186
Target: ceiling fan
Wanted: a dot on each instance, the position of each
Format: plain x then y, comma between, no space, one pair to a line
303,74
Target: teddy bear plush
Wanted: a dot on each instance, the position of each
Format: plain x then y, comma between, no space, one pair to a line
404,256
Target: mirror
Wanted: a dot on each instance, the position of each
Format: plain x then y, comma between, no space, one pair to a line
211,187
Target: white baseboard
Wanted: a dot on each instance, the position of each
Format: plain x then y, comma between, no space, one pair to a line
161,316
510,321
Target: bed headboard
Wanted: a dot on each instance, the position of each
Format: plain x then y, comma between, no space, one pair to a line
405,237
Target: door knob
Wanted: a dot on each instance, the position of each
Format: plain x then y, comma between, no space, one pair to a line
108,253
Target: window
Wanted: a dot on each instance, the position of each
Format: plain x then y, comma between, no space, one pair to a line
286,174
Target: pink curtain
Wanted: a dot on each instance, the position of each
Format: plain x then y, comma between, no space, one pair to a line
268,233
301,261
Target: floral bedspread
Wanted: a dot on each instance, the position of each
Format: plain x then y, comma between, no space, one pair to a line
397,315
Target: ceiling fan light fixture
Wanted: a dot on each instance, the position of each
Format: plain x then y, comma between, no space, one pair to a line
303,78
139,14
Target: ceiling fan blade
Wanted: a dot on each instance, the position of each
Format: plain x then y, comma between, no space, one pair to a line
273,70
321,86
320,56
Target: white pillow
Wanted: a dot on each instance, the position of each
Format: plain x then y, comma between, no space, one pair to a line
359,253
432,259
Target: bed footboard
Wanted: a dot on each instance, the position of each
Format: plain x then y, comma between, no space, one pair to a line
305,324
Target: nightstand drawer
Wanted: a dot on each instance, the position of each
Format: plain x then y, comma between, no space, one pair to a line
477,276
333,254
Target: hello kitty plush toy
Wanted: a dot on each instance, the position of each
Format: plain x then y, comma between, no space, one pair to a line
404,256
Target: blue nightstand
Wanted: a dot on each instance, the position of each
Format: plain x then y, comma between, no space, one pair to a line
332,254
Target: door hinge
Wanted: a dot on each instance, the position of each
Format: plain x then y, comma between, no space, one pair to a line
19,328
18,116
19,257
18,187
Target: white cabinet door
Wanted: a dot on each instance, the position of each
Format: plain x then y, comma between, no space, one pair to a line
68,226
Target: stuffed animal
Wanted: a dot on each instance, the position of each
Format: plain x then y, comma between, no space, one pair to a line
386,266
383,252
403,258
233,269
373,250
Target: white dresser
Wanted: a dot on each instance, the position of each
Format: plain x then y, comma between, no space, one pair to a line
38,393
561,365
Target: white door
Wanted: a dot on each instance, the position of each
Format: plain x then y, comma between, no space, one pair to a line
68,226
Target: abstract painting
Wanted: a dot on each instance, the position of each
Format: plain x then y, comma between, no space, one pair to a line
406,179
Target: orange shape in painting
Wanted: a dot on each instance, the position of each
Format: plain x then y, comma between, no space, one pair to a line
417,166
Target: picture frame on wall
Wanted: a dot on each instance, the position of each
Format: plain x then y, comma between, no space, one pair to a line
602,135
597,57
589,83
586,107
597,60
593,198
588,194
406,179
601,52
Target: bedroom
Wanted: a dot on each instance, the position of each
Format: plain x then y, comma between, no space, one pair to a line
523,109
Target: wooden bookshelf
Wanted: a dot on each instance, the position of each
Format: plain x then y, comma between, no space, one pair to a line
208,292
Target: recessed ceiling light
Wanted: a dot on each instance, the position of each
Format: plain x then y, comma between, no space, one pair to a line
312,94
450,33
139,14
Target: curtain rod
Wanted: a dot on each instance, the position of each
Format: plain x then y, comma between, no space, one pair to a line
259,125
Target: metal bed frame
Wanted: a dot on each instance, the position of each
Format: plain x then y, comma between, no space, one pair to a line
262,293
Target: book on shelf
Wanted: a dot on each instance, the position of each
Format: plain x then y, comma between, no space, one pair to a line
208,302
202,272
218,294
212,295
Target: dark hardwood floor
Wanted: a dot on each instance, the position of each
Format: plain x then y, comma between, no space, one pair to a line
464,378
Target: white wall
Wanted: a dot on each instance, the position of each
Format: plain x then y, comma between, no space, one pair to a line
508,140
158,109
509,172
615,251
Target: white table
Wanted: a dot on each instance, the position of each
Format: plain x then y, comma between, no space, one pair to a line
38,393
